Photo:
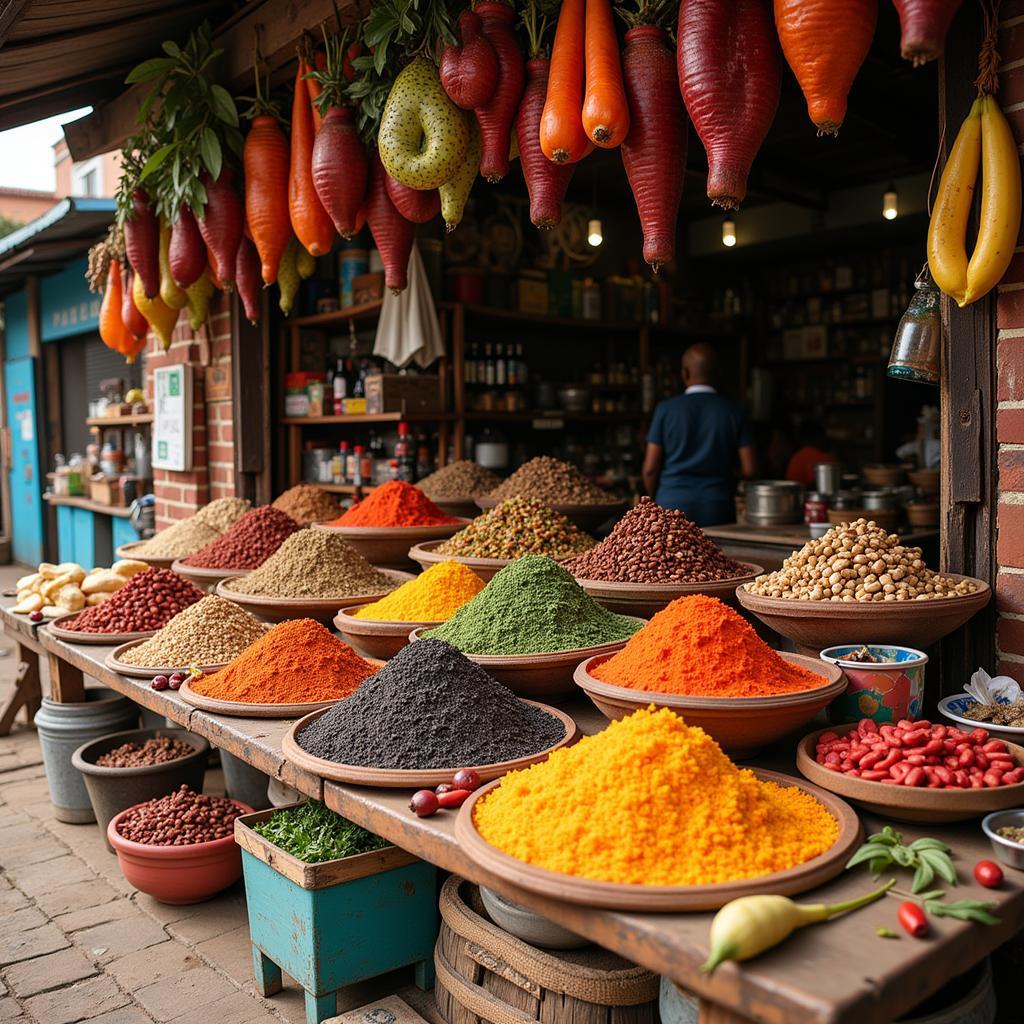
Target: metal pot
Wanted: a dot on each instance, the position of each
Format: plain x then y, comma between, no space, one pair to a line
848,499
827,477
881,500
774,502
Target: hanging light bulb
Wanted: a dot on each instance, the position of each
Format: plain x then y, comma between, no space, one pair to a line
728,232
890,203
915,349
594,235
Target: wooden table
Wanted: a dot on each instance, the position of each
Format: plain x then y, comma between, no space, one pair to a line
835,973
28,692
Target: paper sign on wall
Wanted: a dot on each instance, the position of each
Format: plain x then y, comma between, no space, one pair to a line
172,418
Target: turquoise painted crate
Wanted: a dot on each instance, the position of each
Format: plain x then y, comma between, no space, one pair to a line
332,924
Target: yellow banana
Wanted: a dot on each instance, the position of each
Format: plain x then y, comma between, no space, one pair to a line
999,221
947,229
158,314
172,295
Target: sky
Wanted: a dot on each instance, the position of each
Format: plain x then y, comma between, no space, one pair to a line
26,153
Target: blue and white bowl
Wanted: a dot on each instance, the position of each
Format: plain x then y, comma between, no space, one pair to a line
953,708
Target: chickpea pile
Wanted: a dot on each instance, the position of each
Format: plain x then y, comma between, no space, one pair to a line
857,561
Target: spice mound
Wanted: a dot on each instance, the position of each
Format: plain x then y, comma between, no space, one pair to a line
857,561
395,503
433,596
554,482
186,536
181,819
314,834
430,707
651,544
517,527
700,647
997,714
210,632
462,479
299,661
314,564
155,750
249,543
652,801
307,503
533,606
148,601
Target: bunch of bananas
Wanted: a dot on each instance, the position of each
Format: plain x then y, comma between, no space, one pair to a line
986,141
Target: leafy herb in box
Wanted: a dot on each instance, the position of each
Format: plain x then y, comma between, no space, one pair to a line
314,834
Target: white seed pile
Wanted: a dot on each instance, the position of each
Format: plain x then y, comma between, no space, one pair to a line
187,536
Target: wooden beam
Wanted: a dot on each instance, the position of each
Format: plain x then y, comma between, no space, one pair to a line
10,12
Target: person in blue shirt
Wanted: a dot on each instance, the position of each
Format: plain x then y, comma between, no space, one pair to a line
695,443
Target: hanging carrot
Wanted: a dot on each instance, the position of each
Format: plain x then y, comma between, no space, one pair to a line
605,109
136,323
562,138
310,221
113,331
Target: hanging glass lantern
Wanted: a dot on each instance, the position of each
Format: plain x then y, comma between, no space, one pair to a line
915,350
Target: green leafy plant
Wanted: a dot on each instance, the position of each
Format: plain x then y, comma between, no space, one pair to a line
649,12
928,858
978,911
314,834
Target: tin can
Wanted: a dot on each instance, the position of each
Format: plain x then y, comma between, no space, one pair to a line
815,507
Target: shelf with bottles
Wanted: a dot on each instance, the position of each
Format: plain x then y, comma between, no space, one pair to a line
355,419
120,422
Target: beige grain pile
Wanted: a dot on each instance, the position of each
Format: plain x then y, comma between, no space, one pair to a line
187,536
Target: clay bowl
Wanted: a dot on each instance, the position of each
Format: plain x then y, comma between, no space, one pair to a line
388,546
923,513
926,480
815,625
128,551
72,636
647,599
904,803
741,725
277,609
886,518
465,508
486,568
537,676
586,517
883,474
375,638
178,874
115,664
203,578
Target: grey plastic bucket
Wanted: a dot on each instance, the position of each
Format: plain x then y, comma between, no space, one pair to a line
243,782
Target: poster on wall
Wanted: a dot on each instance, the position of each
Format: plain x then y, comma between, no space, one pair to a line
172,418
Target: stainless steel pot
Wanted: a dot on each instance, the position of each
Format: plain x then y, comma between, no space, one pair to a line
827,477
847,499
880,500
774,502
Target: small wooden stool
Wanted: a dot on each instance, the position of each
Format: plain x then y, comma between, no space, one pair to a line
28,693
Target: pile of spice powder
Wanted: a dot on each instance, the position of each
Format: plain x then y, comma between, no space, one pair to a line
307,504
249,543
702,648
554,482
652,801
187,536
148,601
462,479
517,527
395,503
298,661
430,707
651,544
533,606
434,596
210,632
314,564
155,750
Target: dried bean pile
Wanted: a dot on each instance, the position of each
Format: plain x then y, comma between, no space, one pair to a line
307,503
148,601
181,819
651,544
462,479
554,482
249,543
156,750
186,536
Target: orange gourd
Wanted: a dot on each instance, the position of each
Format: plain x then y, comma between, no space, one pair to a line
113,331
605,108
310,221
265,158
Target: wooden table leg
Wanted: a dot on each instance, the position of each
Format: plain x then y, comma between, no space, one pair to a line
712,1014
67,683
27,694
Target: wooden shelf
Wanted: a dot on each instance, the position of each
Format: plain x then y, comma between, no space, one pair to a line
368,417
74,501
570,417
365,311
346,488
139,420
572,323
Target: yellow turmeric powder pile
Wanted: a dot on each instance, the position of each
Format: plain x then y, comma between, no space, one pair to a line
434,596
652,801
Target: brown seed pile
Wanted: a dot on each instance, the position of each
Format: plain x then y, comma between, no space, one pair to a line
181,819
517,527
156,750
553,482
462,479
997,714
307,503
316,564
188,535
210,632
857,561
651,544
148,601
249,542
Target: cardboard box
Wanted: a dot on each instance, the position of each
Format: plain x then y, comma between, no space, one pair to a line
106,490
392,392
389,1010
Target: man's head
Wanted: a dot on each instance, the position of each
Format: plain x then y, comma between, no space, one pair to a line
699,364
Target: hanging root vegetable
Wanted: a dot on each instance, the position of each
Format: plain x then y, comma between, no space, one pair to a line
454,193
187,254
248,281
133,319
497,116
309,220
562,138
923,27
730,77
605,110
414,204
825,43
198,296
304,263
221,224
288,279
158,314
142,242
469,73
114,332
392,233
172,295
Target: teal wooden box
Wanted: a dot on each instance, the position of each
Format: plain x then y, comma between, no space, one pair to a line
332,924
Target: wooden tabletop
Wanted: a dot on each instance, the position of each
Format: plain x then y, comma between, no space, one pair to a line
20,627
78,501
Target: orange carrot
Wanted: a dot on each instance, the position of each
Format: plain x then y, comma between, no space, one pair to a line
605,108
312,226
113,331
562,138
265,157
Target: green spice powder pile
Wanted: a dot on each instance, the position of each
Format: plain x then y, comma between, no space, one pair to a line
533,606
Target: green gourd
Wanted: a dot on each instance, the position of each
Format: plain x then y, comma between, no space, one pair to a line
199,294
455,191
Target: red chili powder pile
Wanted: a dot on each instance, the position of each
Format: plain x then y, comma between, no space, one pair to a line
249,543
702,648
395,503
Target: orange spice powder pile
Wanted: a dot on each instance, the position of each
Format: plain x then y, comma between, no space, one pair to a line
395,503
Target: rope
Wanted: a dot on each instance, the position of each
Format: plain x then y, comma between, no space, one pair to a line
987,82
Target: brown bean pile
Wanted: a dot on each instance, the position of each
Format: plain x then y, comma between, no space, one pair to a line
651,544
148,601
186,536
249,543
462,479
181,819
553,482
307,503
156,750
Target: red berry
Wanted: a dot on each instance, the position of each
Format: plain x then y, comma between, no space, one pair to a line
424,803
912,919
454,798
466,778
988,873
36,616
160,683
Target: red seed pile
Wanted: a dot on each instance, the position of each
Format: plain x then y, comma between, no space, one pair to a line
156,750
919,754
148,601
181,819
249,543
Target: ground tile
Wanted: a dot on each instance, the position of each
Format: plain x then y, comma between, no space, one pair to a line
31,852
77,896
110,941
119,909
36,879
216,917
45,972
188,990
12,900
21,921
37,942
232,953
126,1015
237,1008
10,1011
145,966
84,999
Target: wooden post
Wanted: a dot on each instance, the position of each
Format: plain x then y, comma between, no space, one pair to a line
67,683
250,385
27,690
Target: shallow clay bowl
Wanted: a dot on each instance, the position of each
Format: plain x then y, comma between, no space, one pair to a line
548,676
388,546
203,578
277,609
465,508
815,625
740,725
905,803
953,708
412,778
663,898
115,664
647,599
586,517
486,568
72,636
244,709
375,638
128,551
925,479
